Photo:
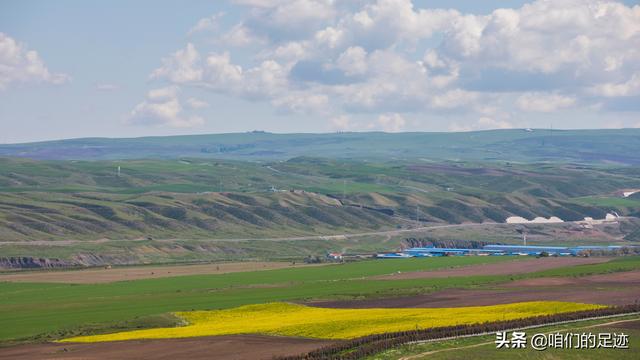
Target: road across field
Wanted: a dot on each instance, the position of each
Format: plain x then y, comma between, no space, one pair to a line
288,238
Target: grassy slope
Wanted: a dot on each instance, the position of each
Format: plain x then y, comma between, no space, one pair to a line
84,200
30,309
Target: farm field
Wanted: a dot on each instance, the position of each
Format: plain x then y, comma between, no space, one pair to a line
595,289
284,319
127,273
235,347
484,346
37,312
24,305
509,268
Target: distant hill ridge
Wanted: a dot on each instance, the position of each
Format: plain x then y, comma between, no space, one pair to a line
621,146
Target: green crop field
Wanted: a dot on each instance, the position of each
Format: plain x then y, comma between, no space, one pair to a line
57,310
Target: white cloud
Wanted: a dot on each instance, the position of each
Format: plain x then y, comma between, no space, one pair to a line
329,37
162,107
454,99
392,57
353,61
543,102
197,103
164,93
581,38
18,64
302,103
238,35
211,23
341,123
391,122
183,66
627,88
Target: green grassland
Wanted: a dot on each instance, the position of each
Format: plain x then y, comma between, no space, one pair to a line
194,203
587,146
45,311
482,347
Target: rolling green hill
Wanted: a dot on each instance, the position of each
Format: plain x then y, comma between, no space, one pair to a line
189,208
199,197
586,146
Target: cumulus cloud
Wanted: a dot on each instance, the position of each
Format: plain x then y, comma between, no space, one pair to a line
210,23
302,103
353,61
390,58
341,123
626,88
18,64
162,107
197,103
183,66
544,102
391,122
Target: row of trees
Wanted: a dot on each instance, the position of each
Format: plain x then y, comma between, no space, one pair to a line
369,345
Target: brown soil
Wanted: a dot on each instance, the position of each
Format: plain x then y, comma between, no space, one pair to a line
103,275
218,347
608,289
502,268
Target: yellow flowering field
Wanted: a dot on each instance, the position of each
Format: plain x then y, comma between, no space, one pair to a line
305,321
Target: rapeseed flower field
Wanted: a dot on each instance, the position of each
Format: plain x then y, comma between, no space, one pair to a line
287,319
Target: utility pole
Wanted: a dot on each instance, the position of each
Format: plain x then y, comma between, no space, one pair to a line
417,213
344,189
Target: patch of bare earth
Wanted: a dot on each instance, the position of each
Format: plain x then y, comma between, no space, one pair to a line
232,347
105,275
502,268
606,289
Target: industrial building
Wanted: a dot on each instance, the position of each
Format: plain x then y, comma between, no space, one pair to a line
497,250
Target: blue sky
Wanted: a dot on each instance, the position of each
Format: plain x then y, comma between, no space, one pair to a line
136,68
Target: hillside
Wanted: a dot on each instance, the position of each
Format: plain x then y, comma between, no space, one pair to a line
584,146
230,196
219,199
